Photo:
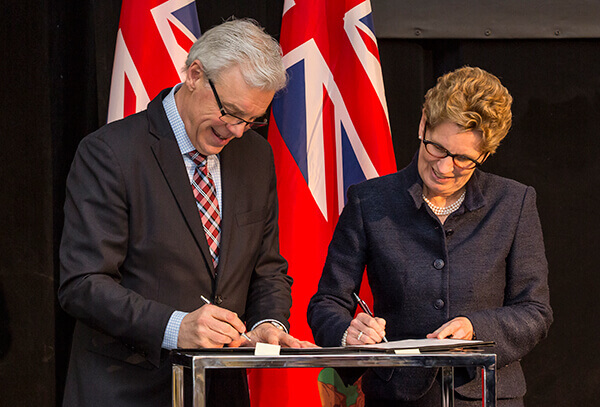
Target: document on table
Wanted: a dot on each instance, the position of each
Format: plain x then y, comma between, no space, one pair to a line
404,347
425,345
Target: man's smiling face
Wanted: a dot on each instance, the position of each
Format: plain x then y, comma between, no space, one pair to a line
200,112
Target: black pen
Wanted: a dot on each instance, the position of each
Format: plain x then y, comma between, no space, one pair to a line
366,309
241,333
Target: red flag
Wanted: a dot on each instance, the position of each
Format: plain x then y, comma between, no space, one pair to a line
153,40
329,129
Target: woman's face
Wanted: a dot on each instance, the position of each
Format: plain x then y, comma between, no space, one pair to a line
441,177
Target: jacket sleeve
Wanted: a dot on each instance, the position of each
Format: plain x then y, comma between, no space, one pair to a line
269,293
94,247
332,308
525,317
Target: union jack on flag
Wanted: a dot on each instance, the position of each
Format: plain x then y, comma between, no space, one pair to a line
329,129
153,41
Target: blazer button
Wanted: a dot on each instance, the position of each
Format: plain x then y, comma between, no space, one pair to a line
218,300
438,304
438,264
449,232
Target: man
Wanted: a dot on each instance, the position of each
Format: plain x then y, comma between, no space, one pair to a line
169,206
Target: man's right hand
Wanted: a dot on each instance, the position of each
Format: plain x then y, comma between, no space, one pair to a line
210,327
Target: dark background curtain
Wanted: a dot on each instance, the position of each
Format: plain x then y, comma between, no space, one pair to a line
56,60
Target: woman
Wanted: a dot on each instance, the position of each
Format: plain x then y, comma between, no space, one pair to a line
450,251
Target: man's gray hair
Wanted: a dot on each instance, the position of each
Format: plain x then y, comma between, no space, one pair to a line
245,44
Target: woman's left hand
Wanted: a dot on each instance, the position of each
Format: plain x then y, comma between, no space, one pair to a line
458,328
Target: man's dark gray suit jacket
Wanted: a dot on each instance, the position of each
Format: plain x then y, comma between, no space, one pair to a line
133,251
486,262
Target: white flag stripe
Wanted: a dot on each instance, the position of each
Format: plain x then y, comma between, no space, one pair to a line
317,76
367,59
162,14
122,67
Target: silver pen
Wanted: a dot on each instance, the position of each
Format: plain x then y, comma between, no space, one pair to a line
241,333
366,309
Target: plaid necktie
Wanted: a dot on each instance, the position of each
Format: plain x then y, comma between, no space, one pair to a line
208,205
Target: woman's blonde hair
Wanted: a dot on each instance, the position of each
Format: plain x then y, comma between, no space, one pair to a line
474,100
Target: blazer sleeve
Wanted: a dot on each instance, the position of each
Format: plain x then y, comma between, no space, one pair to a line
332,308
93,248
270,293
525,317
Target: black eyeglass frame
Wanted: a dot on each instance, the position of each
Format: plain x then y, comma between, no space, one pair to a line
224,112
447,153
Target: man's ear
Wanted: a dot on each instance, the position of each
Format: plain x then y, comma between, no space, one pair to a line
193,74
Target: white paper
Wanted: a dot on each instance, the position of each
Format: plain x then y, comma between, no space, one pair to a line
412,351
266,349
420,343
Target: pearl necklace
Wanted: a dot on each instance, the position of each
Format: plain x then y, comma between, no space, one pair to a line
447,210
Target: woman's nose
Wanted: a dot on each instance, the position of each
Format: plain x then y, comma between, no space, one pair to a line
445,165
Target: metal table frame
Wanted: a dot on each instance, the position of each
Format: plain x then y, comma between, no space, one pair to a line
199,361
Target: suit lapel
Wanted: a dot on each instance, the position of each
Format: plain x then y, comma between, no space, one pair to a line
229,174
168,156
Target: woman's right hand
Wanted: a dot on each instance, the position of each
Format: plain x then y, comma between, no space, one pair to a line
365,329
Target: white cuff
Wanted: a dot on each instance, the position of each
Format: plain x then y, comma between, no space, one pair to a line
272,321
172,331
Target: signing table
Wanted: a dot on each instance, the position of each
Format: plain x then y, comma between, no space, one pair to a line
198,361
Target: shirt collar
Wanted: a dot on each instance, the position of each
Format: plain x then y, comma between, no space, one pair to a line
183,140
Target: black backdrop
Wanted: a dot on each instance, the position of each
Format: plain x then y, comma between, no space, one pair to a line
55,72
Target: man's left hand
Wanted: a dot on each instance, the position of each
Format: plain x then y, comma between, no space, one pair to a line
268,333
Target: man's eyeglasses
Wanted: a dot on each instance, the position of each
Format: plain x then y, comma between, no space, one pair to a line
233,119
461,161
